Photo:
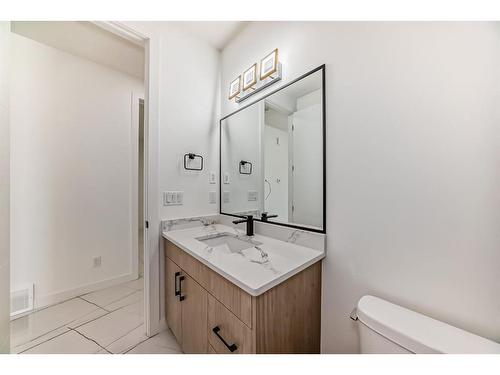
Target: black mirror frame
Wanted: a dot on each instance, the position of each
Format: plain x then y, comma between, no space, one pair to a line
321,68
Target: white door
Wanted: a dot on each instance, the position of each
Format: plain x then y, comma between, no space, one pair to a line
307,167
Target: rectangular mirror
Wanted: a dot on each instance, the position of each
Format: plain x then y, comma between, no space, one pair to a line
272,156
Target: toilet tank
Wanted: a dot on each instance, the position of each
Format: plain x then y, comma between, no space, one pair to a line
388,328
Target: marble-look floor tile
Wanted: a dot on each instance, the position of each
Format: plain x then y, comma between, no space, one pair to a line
97,313
135,284
109,295
135,308
128,300
23,347
39,323
110,327
129,341
162,343
68,343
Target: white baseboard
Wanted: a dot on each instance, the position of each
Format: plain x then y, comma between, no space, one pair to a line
61,296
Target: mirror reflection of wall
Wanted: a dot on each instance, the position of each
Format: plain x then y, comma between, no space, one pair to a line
240,141
282,136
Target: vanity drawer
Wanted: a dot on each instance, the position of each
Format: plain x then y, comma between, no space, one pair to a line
234,298
173,253
229,330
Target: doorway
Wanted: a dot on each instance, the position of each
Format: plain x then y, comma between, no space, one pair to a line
79,274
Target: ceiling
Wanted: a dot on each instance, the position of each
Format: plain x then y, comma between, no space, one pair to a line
91,42
86,40
216,33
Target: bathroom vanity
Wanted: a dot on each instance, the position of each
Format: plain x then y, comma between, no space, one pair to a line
228,290
221,298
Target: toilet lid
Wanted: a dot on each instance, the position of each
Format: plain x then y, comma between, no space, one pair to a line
419,333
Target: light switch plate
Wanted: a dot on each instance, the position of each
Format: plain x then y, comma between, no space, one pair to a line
173,198
211,178
226,178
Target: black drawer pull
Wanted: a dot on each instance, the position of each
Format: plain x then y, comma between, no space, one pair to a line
181,297
231,347
176,290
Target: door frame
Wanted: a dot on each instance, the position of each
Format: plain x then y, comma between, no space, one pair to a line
151,207
136,99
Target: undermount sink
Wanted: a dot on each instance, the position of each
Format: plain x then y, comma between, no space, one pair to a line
233,243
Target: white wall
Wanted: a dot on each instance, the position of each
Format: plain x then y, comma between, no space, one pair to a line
71,174
4,189
189,114
306,181
413,161
183,109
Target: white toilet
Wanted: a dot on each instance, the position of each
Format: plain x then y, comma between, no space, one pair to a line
388,328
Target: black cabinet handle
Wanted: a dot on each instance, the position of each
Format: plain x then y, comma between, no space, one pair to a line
176,290
231,347
181,297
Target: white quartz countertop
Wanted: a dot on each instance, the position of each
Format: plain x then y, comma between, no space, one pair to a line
246,268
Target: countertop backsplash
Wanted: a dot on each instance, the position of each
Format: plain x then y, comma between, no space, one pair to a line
301,237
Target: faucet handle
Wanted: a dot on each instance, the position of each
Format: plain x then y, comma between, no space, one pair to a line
265,216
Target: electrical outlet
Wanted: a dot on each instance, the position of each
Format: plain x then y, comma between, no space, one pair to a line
97,261
225,196
212,197
252,196
211,178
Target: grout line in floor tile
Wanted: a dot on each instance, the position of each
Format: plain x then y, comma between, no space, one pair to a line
35,310
65,325
121,308
110,303
90,321
43,342
126,335
131,303
136,345
43,334
149,338
80,296
92,303
90,339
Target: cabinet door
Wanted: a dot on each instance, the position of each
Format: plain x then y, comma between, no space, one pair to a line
173,304
194,316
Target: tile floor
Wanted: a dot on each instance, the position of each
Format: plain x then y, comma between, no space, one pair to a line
106,321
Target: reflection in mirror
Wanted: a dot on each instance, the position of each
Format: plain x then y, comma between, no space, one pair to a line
272,156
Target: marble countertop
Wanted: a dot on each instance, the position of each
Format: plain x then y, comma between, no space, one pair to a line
250,269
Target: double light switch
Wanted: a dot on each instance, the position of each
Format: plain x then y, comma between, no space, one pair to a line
173,198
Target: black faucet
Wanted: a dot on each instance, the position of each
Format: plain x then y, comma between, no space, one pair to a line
249,221
265,216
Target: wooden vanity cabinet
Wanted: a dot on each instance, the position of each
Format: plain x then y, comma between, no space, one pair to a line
209,314
172,302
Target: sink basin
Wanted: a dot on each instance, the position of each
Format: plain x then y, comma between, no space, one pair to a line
233,243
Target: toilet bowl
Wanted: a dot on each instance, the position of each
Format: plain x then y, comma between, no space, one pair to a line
388,328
